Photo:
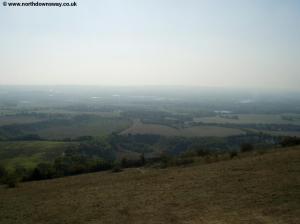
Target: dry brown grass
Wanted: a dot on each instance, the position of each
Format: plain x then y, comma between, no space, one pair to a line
255,189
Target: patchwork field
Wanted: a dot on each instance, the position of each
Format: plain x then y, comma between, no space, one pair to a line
250,119
283,133
199,131
109,114
9,120
98,126
60,126
254,189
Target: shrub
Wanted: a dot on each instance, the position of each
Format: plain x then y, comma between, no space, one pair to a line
124,162
22,172
203,152
100,165
29,137
290,141
143,159
165,160
182,161
189,153
246,147
117,168
3,172
43,171
11,180
213,158
233,154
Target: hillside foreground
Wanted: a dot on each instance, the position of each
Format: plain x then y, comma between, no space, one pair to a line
261,188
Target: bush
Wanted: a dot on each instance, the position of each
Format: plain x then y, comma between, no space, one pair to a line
212,158
165,160
182,161
3,172
43,171
11,180
143,159
22,172
124,162
203,152
29,137
71,165
100,165
290,141
189,153
233,154
117,168
247,147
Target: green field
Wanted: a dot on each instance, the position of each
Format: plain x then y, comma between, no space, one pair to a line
98,126
19,119
283,133
198,131
60,126
30,153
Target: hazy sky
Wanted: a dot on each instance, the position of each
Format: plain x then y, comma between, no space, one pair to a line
251,43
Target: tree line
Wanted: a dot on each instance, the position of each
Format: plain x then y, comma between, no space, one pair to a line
99,155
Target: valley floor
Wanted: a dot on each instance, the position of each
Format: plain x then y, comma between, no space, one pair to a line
255,189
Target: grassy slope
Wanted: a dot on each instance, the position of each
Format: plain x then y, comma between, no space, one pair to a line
256,189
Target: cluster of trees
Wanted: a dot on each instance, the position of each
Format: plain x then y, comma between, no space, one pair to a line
290,141
65,166
92,155
176,145
246,147
264,127
88,156
9,178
